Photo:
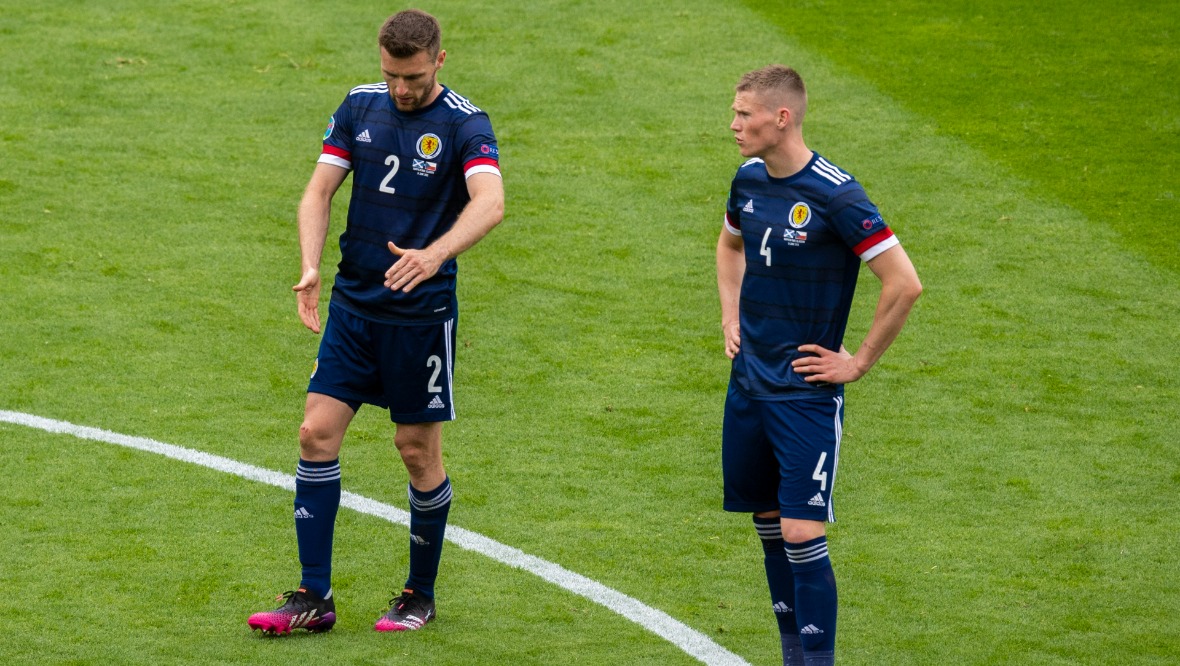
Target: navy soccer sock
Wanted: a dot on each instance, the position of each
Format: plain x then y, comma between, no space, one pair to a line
317,498
428,523
815,599
782,587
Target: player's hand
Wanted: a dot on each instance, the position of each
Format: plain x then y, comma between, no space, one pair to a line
733,338
411,268
827,366
308,297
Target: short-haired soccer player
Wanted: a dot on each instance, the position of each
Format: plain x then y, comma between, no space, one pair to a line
426,186
796,230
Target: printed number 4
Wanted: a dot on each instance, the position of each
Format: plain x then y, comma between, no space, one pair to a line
765,251
819,474
436,363
392,159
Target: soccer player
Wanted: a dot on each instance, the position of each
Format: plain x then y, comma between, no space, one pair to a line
796,229
426,186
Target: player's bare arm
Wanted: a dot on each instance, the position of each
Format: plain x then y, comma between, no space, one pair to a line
731,265
314,210
900,288
481,214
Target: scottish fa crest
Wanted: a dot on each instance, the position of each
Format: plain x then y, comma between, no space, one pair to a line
800,215
429,146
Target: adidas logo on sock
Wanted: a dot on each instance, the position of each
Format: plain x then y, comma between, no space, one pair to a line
436,403
302,512
781,607
419,540
364,136
811,629
818,500
749,207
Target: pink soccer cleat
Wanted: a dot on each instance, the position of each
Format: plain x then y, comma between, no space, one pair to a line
303,610
407,612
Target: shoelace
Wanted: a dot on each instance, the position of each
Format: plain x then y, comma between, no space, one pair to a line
400,600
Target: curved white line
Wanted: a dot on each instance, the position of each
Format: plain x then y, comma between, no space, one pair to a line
691,641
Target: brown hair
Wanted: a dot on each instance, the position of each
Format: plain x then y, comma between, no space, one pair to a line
409,32
780,81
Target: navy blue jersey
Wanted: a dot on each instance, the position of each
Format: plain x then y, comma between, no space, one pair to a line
804,236
409,184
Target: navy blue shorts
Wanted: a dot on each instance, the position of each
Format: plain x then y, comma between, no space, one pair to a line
403,368
781,455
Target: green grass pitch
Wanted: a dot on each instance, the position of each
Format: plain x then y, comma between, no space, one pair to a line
1010,481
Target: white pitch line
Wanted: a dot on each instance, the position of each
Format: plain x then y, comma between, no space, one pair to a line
691,641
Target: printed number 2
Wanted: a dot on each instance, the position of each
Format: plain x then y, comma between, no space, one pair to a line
392,159
436,363
819,474
766,250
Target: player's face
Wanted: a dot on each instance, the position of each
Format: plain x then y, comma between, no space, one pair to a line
755,125
413,80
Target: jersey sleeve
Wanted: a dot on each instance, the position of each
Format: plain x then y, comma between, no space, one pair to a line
480,152
338,139
733,213
859,223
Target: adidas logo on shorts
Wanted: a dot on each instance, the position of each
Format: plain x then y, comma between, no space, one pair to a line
818,500
436,403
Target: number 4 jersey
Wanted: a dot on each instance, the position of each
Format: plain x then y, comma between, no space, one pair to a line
805,237
409,184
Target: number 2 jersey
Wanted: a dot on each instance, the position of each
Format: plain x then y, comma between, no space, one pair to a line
409,184
804,239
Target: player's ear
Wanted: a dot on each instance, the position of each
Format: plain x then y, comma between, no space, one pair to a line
442,55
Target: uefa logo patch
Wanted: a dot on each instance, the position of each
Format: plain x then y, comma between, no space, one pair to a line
429,145
800,215
331,126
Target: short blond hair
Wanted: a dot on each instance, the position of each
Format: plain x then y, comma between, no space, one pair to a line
781,82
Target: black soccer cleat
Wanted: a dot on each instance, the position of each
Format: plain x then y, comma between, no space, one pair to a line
303,610
407,612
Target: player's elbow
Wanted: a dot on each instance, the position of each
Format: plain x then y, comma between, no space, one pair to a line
905,289
913,289
496,210
490,204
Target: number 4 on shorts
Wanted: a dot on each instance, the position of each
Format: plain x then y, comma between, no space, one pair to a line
819,474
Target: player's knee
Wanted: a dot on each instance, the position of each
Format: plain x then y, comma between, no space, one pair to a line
413,453
417,455
314,442
799,531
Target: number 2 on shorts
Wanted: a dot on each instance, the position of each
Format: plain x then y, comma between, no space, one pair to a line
436,363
